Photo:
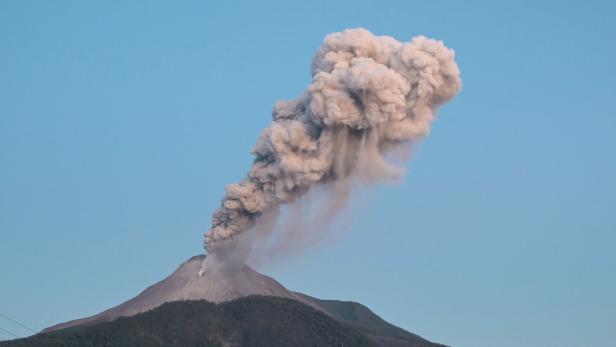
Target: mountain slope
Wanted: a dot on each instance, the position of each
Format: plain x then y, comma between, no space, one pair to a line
250,321
362,318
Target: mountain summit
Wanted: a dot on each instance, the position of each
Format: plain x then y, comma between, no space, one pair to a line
189,282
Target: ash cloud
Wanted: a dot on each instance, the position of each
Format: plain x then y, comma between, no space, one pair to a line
369,94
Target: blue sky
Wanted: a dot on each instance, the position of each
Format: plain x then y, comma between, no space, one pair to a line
121,123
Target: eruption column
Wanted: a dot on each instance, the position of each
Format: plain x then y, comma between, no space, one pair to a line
368,94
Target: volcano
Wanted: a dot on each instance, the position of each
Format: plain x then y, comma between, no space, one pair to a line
189,282
204,300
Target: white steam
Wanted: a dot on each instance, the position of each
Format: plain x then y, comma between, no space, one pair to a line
368,94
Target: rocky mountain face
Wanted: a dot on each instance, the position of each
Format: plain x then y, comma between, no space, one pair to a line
189,283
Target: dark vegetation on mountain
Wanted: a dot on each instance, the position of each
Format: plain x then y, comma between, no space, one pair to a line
250,321
375,327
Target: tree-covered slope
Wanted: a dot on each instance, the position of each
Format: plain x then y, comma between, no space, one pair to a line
250,321
375,327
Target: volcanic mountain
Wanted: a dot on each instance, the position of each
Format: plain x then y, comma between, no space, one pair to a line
245,309
188,282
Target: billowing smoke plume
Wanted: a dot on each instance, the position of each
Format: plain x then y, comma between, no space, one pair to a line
368,94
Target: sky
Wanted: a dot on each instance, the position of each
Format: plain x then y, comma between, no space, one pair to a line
121,123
